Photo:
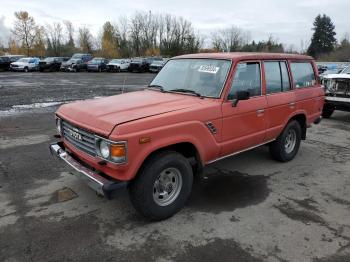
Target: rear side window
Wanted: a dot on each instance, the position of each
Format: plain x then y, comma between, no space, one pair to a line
277,78
303,74
247,78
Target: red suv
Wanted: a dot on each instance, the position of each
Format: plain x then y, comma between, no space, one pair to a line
199,109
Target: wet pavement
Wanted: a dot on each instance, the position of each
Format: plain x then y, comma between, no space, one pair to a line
249,207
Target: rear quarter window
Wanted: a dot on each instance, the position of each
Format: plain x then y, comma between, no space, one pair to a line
303,74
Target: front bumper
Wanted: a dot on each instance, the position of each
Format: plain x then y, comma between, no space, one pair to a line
97,182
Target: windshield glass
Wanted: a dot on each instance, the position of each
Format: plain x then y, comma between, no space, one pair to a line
204,76
25,60
77,56
49,59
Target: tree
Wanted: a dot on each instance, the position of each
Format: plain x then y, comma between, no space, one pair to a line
25,30
109,41
39,43
69,46
54,38
323,40
85,39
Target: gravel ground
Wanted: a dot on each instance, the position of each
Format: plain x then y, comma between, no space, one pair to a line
250,208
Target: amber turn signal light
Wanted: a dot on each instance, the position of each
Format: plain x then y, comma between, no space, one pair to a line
118,150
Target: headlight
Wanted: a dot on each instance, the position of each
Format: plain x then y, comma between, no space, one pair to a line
104,149
58,125
112,151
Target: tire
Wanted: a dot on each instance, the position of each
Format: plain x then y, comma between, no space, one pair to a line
286,146
26,70
100,69
327,111
146,190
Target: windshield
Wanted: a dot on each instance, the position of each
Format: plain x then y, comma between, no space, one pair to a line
77,56
203,76
96,61
49,59
24,60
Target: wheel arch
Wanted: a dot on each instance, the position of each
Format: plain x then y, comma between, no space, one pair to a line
302,120
187,149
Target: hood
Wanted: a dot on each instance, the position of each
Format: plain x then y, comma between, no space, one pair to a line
103,114
20,63
70,61
114,63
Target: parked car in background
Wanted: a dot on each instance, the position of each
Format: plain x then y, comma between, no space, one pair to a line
25,64
98,64
117,65
337,88
52,63
199,109
76,63
139,65
156,66
4,63
6,60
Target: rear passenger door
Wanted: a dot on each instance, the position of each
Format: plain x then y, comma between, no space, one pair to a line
280,97
244,124
308,93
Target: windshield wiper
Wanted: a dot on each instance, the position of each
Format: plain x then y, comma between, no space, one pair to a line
161,88
182,90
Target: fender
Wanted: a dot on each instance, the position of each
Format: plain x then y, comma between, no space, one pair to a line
194,132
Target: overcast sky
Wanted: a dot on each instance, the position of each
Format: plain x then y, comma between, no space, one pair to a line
288,21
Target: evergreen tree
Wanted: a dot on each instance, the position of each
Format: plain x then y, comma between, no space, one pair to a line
323,40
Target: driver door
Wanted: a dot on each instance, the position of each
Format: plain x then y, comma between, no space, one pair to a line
244,125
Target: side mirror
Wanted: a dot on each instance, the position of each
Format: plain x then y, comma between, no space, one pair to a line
240,95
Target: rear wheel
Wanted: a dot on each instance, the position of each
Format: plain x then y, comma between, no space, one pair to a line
286,146
162,186
327,111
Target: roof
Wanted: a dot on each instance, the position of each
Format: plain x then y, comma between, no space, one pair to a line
246,55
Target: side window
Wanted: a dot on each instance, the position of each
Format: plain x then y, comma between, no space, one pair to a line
277,79
247,78
303,74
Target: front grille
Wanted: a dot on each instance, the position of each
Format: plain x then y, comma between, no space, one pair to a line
79,138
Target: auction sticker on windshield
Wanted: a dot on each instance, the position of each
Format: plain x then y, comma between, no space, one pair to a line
208,69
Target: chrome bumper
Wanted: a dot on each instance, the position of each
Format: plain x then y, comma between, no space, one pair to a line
97,182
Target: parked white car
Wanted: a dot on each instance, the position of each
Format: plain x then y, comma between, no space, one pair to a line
117,65
25,64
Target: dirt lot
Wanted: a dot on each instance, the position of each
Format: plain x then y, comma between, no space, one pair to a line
250,208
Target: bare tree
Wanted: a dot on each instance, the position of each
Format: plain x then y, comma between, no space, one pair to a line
54,35
25,29
85,39
229,39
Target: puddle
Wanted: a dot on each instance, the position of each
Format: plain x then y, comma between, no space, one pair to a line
228,191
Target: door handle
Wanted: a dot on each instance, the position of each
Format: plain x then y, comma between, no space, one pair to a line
292,104
260,111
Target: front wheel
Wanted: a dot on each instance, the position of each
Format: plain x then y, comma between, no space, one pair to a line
163,185
286,146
